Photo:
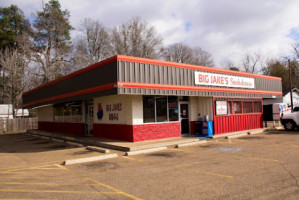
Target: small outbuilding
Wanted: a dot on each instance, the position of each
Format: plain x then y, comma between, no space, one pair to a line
136,99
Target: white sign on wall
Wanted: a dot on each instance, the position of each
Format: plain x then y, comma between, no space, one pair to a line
204,78
221,107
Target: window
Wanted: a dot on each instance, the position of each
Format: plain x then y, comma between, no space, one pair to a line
69,112
221,107
148,109
247,107
160,109
229,107
257,107
173,108
237,108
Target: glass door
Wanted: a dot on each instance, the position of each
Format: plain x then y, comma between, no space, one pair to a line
184,118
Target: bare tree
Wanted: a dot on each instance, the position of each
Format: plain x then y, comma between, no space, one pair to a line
94,45
136,38
15,63
250,62
201,57
230,65
182,53
179,53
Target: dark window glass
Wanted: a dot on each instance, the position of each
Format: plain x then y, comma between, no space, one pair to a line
237,109
229,107
247,107
148,109
161,108
173,108
257,107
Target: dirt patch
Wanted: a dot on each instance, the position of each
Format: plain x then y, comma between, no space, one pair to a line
163,154
211,145
82,152
32,139
42,143
101,166
60,146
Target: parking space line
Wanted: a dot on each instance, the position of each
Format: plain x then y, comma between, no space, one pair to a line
9,172
114,189
34,165
265,159
24,177
135,159
57,184
102,184
209,173
25,199
57,191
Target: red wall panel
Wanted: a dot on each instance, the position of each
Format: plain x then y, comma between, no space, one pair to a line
114,131
74,128
136,133
192,128
233,123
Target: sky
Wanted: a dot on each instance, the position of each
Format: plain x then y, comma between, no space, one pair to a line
228,29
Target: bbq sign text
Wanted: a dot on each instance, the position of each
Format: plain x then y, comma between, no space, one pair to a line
203,78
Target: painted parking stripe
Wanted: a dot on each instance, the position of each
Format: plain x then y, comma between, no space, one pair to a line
57,191
264,159
209,173
114,189
24,199
57,184
25,167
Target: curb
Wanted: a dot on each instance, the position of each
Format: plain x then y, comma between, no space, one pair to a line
56,140
190,144
131,153
236,136
74,144
89,159
255,132
229,134
98,149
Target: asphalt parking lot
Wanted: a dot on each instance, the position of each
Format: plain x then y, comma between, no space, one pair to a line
264,166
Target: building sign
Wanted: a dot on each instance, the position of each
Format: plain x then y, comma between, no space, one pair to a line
221,107
204,78
112,111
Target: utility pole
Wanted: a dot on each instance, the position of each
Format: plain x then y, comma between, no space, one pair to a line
291,90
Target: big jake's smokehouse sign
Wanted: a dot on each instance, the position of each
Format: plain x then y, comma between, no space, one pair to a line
203,78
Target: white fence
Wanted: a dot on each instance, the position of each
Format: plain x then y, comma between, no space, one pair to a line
17,125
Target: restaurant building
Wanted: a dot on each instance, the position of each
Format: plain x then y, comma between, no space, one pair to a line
136,99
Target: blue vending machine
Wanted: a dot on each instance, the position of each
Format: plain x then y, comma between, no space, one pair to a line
207,128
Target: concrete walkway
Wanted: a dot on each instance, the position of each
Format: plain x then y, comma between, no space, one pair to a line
115,144
135,146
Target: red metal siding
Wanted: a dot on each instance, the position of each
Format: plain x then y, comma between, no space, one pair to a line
192,128
233,123
156,131
74,128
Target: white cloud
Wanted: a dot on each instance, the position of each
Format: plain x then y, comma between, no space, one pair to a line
225,28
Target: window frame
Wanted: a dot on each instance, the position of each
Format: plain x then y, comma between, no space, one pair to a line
231,101
155,109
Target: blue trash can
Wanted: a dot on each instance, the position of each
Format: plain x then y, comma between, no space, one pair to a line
207,128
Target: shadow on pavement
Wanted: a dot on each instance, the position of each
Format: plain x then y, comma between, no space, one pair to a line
21,143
